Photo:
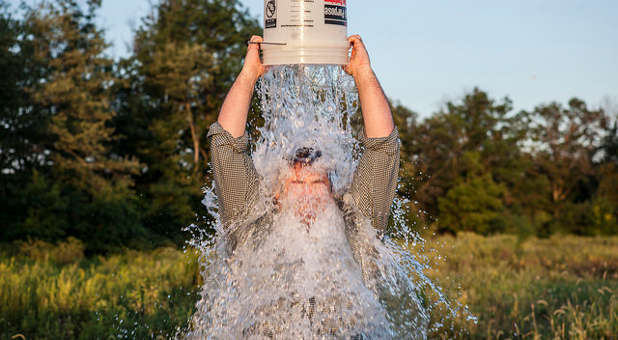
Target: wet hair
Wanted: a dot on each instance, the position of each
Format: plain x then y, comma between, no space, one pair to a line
305,156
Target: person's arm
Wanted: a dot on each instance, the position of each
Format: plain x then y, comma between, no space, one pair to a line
375,180
236,180
233,114
376,111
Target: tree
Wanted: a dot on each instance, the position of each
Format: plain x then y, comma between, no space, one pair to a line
605,201
478,125
474,205
76,93
565,140
14,152
186,56
93,183
14,123
406,122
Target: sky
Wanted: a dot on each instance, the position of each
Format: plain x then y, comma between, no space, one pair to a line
428,52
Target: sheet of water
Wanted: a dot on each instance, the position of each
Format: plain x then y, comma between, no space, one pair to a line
289,279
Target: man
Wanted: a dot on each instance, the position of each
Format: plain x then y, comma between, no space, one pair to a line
374,183
306,195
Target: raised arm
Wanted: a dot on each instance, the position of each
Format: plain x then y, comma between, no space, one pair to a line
377,116
233,114
236,181
375,180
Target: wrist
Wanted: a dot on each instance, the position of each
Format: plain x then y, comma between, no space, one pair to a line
249,74
363,74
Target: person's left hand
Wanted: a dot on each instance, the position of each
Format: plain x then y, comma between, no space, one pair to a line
253,65
359,60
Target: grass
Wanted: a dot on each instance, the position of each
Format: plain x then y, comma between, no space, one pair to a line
564,287
51,292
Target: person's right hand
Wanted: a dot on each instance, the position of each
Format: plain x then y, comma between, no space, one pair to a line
359,60
253,65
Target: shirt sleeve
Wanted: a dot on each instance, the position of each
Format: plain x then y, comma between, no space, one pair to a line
236,180
375,180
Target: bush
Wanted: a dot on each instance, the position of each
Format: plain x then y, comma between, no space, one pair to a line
562,287
130,295
474,205
69,251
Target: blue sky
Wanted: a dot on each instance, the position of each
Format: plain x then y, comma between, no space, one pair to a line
427,52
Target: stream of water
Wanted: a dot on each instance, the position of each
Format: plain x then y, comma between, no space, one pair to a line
288,279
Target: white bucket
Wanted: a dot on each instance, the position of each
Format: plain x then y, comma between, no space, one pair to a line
310,31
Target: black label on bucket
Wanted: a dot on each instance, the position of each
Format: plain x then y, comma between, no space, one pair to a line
335,15
270,14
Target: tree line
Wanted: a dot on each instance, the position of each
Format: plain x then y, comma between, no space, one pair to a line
113,151
476,165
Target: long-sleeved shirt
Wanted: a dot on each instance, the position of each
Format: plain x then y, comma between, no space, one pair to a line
369,197
237,181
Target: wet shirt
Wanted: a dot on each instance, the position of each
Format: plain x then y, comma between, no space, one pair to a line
237,182
298,283
339,303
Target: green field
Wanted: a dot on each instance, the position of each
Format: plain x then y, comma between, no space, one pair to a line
564,287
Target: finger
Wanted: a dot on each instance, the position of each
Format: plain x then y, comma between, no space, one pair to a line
256,38
352,46
356,43
354,38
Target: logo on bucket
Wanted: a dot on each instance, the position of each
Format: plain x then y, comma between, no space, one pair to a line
270,13
335,14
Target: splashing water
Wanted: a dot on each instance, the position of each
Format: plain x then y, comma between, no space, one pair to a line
283,277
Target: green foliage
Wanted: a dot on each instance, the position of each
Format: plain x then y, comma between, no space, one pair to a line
604,220
113,152
568,140
54,293
605,201
23,125
483,168
69,251
76,92
46,217
535,289
99,149
406,122
56,210
186,58
478,124
474,205
70,183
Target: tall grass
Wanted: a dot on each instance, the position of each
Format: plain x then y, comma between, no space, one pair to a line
564,287
134,295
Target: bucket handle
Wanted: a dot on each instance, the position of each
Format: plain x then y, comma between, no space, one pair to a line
266,43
